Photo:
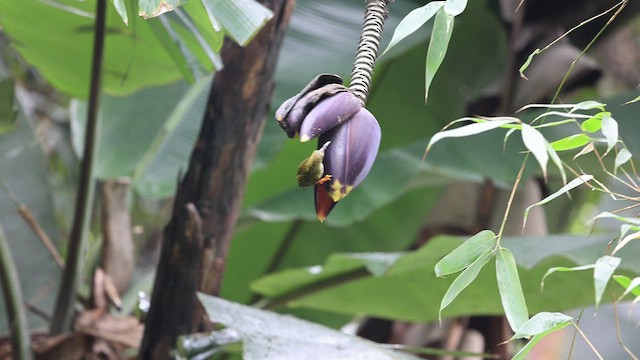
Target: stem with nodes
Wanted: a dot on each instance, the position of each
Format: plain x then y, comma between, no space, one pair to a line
375,15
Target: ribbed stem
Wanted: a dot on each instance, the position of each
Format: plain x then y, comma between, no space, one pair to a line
374,17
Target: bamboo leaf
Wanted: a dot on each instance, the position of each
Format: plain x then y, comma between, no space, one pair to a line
542,324
571,185
608,215
467,253
440,36
556,161
585,150
630,285
455,7
622,158
610,130
536,143
468,130
564,269
588,105
604,268
570,142
522,354
413,21
464,279
592,124
511,294
625,241
527,63
635,99
539,326
121,9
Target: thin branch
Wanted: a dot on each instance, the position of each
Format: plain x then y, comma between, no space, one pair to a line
16,315
584,337
575,333
621,5
33,223
513,194
63,312
618,332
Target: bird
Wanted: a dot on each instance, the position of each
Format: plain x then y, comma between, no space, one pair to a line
311,169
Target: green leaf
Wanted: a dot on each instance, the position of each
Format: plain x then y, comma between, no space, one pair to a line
546,106
582,179
241,19
413,21
376,263
337,265
570,142
158,167
173,45
537,144
121,9
455,7
527,63
542,324
539,326
625,240
635,99
468,130
588,105
134,58
465,279
624,219
192,16
410,291
585,150
153,108
602,272
268,335
622,158
592,124
565,269
466,253
440,36
556,161
524,351
610,131
571,118
629,285
152,8
511,294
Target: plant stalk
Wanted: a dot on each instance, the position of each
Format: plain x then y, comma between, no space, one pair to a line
12,293
375,15
63,312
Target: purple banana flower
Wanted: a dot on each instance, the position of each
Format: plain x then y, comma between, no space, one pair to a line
327,109
354,147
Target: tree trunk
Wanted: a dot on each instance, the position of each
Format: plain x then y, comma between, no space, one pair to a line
209,197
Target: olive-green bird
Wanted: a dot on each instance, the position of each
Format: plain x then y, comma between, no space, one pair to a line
311,169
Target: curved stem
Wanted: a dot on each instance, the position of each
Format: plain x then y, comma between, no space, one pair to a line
16,315
367,52
65,302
